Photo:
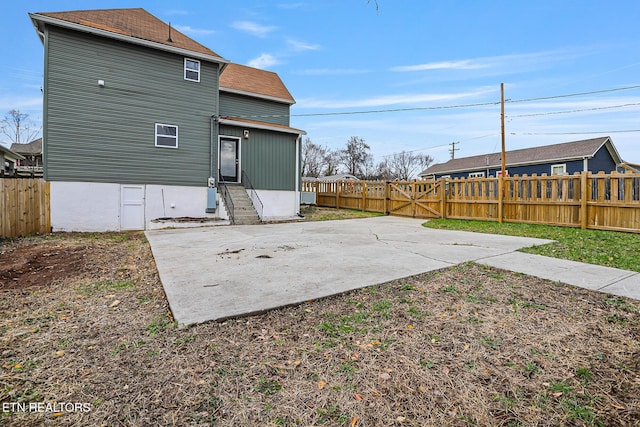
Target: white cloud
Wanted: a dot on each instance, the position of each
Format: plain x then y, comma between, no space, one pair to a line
502,62
253,28
466,64
196,31
300,45
332,71
264,61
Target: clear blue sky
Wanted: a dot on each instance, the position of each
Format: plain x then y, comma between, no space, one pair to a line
339,56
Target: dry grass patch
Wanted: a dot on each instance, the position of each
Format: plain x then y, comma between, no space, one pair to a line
465,346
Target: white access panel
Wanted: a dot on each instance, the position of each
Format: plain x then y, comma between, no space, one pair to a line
132,207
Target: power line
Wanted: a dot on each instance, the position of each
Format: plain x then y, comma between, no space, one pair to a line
573,94
576,133
575,111
391,110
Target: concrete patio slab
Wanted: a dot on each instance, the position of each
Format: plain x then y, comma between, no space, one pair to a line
221,272
588,276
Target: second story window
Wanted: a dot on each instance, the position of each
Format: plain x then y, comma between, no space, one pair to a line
166,136
191,70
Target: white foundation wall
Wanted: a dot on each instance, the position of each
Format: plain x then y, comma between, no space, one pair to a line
172,201
279,204
84,206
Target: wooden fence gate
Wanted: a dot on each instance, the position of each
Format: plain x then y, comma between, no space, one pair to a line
414,199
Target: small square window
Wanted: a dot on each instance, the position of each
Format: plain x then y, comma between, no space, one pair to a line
476,174
559,169
166,136
191,70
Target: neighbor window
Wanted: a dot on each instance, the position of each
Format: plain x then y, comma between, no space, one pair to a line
560,169
166,136
476,174
191,70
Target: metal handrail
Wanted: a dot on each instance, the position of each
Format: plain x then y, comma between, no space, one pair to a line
227,201
253,194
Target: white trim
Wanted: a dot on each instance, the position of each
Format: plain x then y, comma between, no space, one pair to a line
257,95
239,153
121,37
238,123
191,70
559,165
476,175
155,129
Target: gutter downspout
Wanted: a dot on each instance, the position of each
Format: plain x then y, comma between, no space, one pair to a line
212,146
585,164
297,187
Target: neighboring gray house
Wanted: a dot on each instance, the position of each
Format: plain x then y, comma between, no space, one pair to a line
139,120
593,155
8,160
32,153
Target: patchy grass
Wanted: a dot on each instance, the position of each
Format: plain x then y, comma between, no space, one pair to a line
464,346
607,248
315,213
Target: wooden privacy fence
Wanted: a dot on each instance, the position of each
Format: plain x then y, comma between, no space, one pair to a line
24,207
586,200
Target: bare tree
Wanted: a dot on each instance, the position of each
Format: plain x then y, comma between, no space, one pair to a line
406,165
16,126
356,157
331,163
383,172
313,158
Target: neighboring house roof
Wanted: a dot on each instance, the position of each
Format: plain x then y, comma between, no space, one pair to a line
339,177
236,121
575,150
10,155
29,149
632,167
134,25
245,80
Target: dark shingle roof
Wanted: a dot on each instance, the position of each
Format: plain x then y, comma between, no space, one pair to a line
30,148
548,153
243,79
136,23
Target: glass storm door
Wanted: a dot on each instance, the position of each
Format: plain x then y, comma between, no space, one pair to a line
229,159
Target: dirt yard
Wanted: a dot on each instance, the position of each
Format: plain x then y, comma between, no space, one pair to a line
87,339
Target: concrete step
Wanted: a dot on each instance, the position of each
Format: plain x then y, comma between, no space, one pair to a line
243,211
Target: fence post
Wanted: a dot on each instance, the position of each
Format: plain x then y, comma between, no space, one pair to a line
443,198
413,199
338,185
387,196
500,197
364,195
584,211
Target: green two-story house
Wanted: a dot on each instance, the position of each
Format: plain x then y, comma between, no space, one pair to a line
141,122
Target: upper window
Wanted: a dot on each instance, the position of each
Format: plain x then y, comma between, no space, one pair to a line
166,136
191,70
476,174
559,169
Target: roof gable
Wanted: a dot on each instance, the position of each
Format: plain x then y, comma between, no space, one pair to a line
30,148
245,80
135,24
544,154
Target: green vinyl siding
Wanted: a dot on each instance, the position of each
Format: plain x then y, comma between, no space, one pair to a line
268,158
262,110
107,134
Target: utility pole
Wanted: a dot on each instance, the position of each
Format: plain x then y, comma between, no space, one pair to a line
504,155
453,149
